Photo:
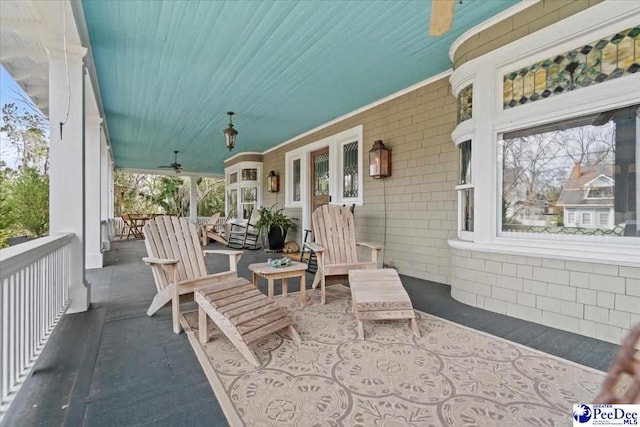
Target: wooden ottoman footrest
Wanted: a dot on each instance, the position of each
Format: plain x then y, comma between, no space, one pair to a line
242,313
379,295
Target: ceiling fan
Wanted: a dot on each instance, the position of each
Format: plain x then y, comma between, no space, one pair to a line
441,16
177,167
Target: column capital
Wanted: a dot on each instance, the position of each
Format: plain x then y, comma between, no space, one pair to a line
73,52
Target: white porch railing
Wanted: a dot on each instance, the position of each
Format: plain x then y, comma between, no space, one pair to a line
34,279
118,224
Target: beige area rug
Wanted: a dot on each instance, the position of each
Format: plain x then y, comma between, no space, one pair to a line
452,376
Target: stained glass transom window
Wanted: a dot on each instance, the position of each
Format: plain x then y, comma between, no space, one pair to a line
606,59
249,174
350,169
321,184
465,104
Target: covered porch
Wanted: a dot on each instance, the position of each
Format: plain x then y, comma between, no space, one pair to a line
114,365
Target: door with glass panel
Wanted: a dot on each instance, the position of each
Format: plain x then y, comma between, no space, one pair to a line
319,178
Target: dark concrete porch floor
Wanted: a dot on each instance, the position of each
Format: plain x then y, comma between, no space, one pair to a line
113,365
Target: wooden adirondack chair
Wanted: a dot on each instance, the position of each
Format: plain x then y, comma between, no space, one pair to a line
336,246
177,263
212,230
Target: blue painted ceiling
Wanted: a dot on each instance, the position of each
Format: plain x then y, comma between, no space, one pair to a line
170,70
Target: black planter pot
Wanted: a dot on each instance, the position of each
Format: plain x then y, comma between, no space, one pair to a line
273,241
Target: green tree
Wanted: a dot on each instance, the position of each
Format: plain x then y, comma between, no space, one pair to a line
26,131
7,217
210,196
172,195
30,195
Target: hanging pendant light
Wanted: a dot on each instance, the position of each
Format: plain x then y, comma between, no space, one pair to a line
230,133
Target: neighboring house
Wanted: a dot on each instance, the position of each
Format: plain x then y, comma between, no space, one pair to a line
587,197
522,207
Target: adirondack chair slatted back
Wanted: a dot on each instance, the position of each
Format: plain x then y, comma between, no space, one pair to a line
170,237
333,228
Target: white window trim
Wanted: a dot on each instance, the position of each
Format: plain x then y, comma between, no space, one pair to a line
291,157
237,168
335,143
490,121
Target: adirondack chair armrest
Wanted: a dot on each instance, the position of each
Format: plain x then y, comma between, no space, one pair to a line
370,245
375,249
222,252
315,247
160,261
234,256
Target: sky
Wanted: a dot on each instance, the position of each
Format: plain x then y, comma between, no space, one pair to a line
10,92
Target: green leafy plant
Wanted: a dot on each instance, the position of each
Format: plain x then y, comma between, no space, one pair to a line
273,216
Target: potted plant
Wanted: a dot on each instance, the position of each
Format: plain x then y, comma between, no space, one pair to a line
273,226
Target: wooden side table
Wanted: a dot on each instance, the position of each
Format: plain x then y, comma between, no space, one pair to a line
296,269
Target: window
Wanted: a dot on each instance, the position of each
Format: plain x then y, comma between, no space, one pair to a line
586,164
232,202
599,193
243,194
233,178
249,195
350,170
321,180
250,174
340,171
603,219
297,194
465,188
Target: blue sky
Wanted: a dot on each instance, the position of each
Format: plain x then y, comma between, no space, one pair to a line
10,92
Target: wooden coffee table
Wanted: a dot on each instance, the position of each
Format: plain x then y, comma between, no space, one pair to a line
296,269
378,295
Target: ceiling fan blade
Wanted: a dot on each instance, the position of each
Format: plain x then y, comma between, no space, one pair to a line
165,167
441,16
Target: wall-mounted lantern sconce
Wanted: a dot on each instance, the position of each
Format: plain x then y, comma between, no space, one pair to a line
273,182
379,160
230,133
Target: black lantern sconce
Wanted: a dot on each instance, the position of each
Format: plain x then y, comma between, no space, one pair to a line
273,182
379,160
230,133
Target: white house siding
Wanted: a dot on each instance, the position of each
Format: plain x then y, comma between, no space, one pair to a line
597,300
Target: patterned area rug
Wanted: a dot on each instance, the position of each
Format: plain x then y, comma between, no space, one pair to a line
452,376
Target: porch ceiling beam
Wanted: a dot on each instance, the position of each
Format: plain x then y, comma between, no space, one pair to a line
166,173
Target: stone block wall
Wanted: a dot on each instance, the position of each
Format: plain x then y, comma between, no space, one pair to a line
596,300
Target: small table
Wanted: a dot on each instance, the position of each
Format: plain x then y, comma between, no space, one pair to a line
378,295
296,269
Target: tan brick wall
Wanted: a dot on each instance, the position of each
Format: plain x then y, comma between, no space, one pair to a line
420,197
530,20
